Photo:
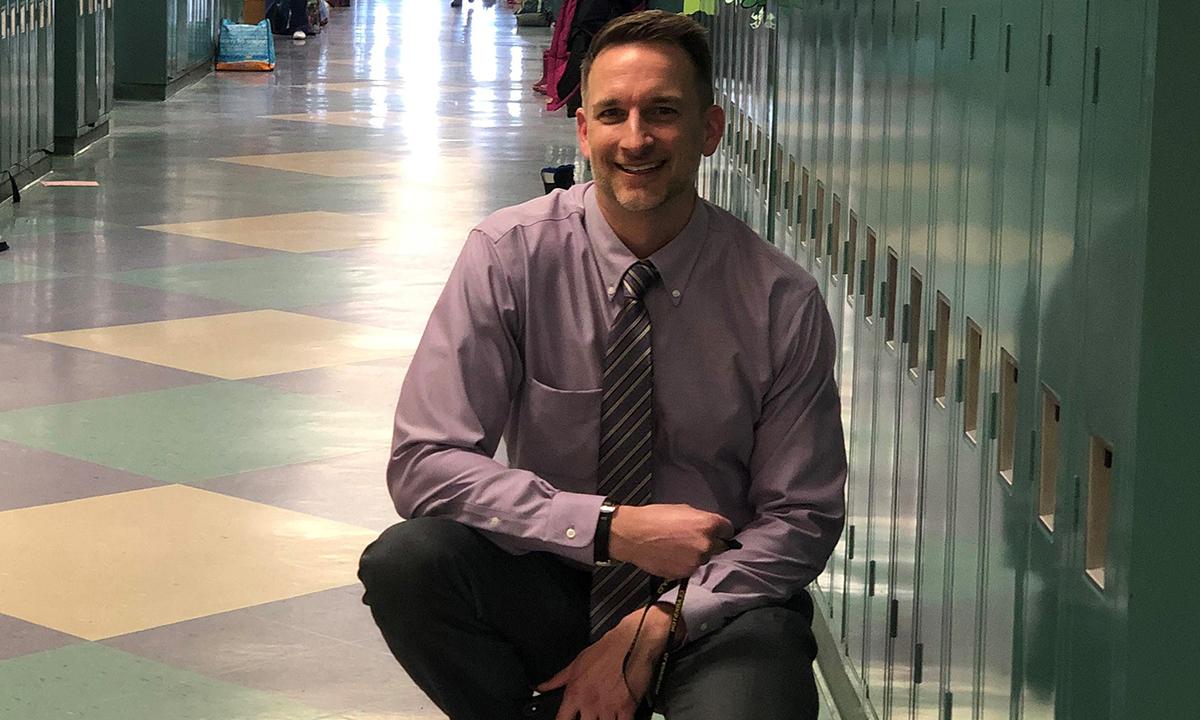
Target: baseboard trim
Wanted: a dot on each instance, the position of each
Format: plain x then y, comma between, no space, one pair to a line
843,690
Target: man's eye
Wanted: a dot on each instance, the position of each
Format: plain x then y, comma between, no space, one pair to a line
609,114
664,110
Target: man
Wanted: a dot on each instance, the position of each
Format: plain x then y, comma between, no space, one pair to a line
663,380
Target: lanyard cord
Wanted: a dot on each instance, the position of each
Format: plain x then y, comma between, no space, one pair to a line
660,672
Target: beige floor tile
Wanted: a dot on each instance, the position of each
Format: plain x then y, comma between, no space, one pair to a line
110,565
359,85
327,163
315,231
242,345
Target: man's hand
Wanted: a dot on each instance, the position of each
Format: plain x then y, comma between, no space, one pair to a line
595,689
667,541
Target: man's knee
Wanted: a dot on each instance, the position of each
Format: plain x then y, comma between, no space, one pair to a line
410,555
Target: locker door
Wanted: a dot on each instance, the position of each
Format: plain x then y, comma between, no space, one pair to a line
976,364
7,104
24,83
943,424
46,75
809,40
893,286
851,316
914,317
1110,314
1007,474
1045,641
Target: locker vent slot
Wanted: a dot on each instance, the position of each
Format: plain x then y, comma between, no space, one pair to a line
971,385
1099,491
869,310
894,618
1048,492
941,363
918,663
916,296
1096,80
1049,58
1008,415
871,579
942,40
889,307
852,256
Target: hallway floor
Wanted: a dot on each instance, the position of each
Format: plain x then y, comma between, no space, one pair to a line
199,360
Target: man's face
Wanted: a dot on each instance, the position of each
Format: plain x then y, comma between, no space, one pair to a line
644,128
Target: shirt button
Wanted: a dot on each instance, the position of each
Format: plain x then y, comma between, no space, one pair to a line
494,521
611,290
703,627
674,293
571,533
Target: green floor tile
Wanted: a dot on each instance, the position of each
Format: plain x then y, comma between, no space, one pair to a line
11,272
189,434
271,281
99,683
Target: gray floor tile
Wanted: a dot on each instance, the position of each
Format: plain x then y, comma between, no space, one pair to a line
30,477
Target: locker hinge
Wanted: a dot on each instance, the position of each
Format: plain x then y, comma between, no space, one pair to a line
850,543
846,259
947,706
871,579
894,619
787,194
883,303
1008,48
918,663
993,419
904,320
1049,58
930,360
862,278
829,239
960,371
812,225
974,21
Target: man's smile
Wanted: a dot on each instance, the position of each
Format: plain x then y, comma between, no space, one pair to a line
641,168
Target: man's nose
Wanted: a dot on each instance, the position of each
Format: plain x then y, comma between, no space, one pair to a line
636,136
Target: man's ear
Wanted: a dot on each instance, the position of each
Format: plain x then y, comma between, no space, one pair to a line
714,128
581,133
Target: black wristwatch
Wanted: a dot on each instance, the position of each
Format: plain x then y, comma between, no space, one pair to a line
603,526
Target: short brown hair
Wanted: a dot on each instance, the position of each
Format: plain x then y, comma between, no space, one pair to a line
658,26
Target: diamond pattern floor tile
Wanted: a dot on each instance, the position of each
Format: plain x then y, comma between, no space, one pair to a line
116,564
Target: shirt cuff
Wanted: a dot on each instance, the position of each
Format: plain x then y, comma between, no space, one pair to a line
703,611
571,525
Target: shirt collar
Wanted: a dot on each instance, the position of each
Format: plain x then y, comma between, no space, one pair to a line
674,261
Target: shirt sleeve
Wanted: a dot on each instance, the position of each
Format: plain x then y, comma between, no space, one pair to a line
797,482
453,407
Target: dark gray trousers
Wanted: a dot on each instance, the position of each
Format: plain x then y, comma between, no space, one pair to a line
477,628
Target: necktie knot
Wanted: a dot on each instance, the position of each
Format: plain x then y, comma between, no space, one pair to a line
638,279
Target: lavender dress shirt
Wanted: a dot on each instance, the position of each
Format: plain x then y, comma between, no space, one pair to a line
747,412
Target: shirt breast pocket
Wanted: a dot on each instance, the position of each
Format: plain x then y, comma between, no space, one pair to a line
559,434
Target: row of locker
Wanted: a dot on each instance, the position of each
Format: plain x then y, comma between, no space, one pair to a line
55,76
966,182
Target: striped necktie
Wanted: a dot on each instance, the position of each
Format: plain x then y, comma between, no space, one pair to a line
626,442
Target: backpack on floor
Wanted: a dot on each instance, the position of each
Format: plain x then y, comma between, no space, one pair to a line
245,47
